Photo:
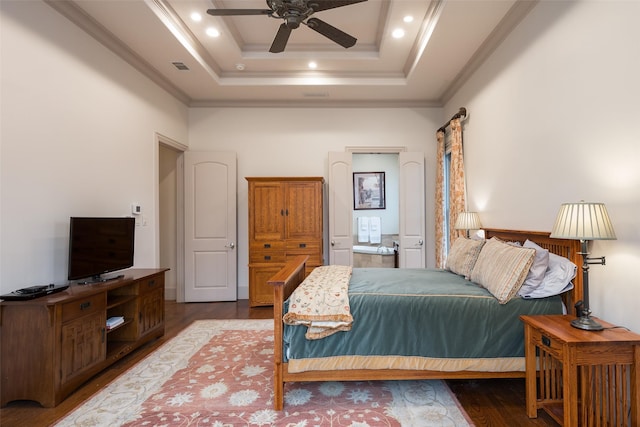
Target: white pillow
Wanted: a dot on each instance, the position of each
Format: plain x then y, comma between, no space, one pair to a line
537,270
557,278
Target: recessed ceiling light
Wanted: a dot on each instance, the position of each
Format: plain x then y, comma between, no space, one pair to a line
195,16
408,19
212,32
313,65
398,33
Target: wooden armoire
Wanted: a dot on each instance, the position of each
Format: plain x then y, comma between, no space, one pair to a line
285,220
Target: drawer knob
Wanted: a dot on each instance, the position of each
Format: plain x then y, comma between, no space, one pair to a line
302,245
267,245
267,257
546,341
85,305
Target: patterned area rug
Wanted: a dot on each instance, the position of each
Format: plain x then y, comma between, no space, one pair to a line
220,373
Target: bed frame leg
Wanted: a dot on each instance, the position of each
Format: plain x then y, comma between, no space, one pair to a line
278,388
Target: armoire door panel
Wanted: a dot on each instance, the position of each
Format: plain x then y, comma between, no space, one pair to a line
268,211
302,220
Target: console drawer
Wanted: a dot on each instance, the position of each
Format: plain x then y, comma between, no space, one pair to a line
83,307
151,284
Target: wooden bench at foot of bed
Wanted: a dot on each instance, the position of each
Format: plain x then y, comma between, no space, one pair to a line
293,273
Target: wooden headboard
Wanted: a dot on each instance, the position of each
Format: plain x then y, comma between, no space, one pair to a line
564,247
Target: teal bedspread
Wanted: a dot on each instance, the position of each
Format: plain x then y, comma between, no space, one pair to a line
424,313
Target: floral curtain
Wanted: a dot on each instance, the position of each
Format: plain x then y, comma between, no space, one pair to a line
440,205
457,193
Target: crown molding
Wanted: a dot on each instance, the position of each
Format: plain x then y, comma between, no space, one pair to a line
79,17
513,17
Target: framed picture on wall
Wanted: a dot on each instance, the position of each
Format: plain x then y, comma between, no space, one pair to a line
368,190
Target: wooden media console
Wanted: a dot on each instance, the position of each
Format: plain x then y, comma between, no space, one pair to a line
52,344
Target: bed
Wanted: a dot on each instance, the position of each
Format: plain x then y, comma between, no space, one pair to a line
355,361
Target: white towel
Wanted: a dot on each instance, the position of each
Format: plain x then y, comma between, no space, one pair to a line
375,230
363,229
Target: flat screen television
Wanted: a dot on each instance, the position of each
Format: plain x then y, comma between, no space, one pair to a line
99,245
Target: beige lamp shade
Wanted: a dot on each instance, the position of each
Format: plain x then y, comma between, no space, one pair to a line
583,221
468,221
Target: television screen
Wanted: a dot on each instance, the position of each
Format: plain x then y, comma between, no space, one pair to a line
100,245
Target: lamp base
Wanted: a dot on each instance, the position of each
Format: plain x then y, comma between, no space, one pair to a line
586,323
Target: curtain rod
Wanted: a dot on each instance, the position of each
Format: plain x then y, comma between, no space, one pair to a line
462,112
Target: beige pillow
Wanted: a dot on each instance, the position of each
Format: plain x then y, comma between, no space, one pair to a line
502,268
463,255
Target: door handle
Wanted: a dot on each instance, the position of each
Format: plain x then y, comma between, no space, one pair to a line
333,243
230,245
420,242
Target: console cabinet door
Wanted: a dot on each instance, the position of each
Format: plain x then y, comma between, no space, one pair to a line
151,314
151,305
83,345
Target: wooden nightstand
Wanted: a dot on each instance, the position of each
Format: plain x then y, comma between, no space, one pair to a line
581,378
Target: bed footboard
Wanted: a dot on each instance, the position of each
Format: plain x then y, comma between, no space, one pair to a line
284,283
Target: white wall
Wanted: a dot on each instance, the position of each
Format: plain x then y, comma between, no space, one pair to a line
296,142
553,119
77,139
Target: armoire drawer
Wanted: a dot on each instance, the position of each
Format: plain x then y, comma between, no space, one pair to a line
303,247
266,251
260,257
315,258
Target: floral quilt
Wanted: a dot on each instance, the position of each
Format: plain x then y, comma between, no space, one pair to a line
321,302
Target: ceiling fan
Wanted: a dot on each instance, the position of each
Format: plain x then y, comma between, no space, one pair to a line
294,13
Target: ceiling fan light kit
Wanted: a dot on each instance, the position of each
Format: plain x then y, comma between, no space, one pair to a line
294,13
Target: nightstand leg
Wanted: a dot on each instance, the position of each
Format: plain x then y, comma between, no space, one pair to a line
635,387
570,389
530,373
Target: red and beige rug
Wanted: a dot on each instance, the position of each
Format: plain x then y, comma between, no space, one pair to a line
219,373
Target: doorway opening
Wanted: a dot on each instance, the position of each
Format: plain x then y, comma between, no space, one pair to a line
169,196
376,229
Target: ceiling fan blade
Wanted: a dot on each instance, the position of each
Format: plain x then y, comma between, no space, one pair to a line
281,39
318,5
331,32
231,12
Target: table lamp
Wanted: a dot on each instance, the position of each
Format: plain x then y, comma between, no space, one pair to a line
584,221
468,221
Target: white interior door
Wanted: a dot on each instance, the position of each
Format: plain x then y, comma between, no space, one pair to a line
210,232
340,209
412,210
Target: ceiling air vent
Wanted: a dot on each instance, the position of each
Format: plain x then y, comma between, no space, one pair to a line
315,94
180,66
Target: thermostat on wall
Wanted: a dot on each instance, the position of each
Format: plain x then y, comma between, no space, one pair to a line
136,209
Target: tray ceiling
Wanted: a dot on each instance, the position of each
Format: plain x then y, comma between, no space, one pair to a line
441,47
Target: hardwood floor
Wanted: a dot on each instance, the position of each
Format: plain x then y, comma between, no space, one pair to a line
488,402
